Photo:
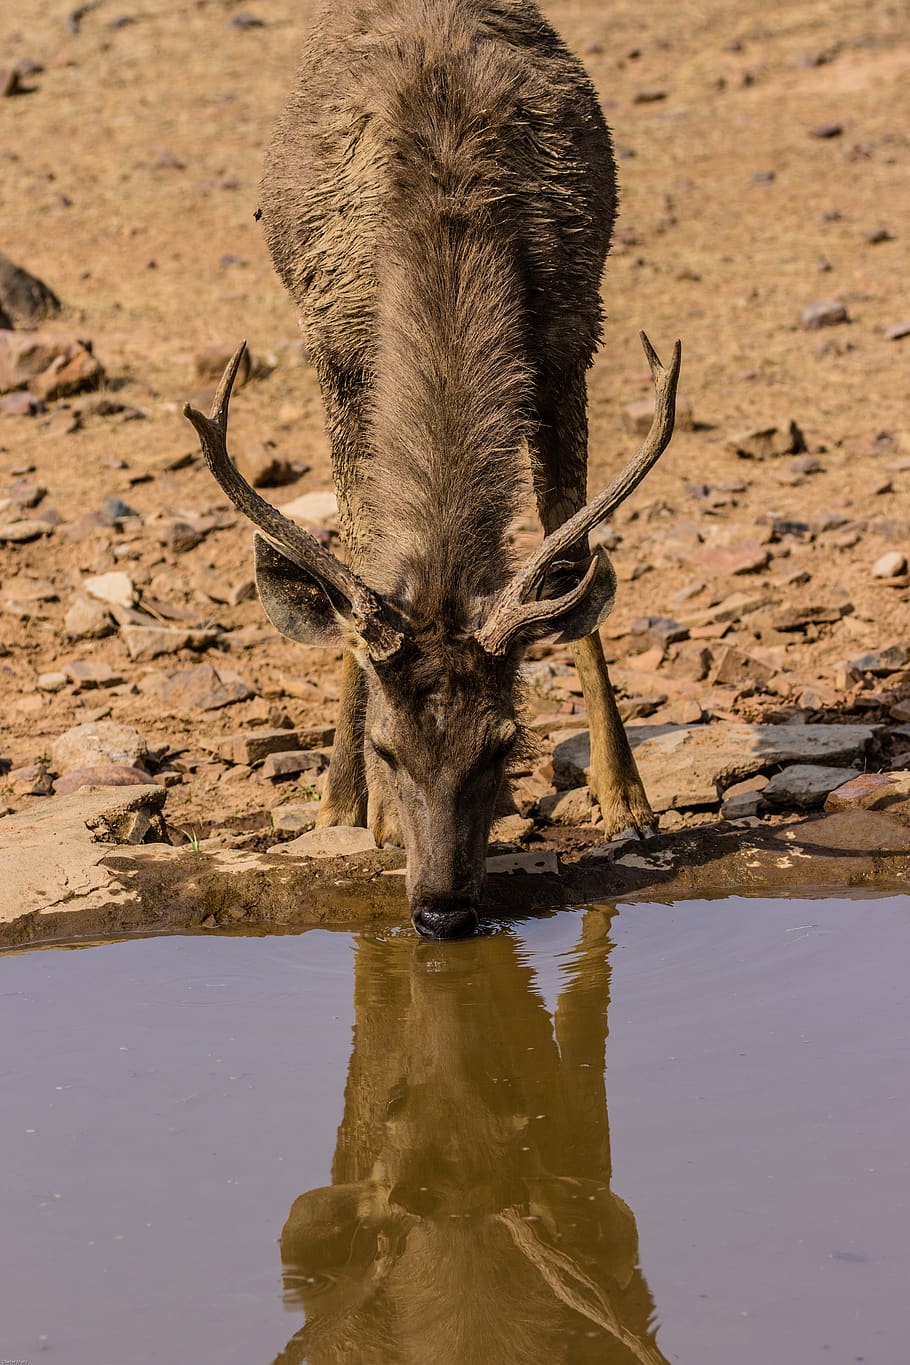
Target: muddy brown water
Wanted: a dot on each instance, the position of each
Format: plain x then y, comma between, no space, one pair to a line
368,1149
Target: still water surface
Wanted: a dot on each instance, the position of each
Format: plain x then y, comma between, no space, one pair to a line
371,1150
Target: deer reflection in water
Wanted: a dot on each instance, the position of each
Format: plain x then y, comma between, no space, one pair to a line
470,1219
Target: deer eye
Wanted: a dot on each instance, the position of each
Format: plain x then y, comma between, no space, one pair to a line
505,746
385,754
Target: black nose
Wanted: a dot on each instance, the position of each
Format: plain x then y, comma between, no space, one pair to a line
446,923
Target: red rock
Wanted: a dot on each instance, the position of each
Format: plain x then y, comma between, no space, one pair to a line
747,557
106,775
203,689
51,366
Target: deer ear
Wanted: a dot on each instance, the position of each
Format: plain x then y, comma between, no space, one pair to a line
296,601
586,615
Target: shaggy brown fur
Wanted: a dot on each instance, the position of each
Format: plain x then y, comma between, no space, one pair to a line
438,199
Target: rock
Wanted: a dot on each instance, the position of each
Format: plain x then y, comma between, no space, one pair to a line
805,785
145,643
313,509
87,620
22,404
511,829
180,537
210,363
747,557
685,768
541,863
898,331
10,82
863,831
873,791
24,530
823,313
86,673
890,565
638,416
798,618
263,466
827,130
736,669
105,775
573,807
767,442
293,763
252,746
881,662
50,682
203,689
97,744
52,855
743,798
295,819
332,842
69,374
23,297
685,711
116,588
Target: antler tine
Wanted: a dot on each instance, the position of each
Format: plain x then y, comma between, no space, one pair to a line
516,606
299,546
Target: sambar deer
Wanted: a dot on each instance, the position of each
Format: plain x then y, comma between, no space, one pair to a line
471,1219
438,199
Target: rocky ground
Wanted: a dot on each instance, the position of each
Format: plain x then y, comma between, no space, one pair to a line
760,639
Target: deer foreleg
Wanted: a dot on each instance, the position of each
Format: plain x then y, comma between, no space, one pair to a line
344,799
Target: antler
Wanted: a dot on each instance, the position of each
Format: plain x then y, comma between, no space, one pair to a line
338,581
519,605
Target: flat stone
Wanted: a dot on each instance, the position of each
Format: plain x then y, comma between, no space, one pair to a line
861,831
897,331
573,807
881,662
767,442
25,529
541,863
747,557
293,763
823,313
145,643
51,682
202,688
735,668
296,818
88,620
510,829
890,565
116,588
85,673
743,798
105,775
798,618
332,842
51,856
97,743
319,508
252,746
686,767
872,791
805,785
262,464
638,416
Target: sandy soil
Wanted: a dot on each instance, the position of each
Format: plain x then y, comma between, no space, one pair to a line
129,172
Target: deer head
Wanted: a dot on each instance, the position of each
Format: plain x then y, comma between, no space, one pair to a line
440,723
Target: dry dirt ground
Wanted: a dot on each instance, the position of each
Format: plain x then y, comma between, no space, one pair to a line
763,156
